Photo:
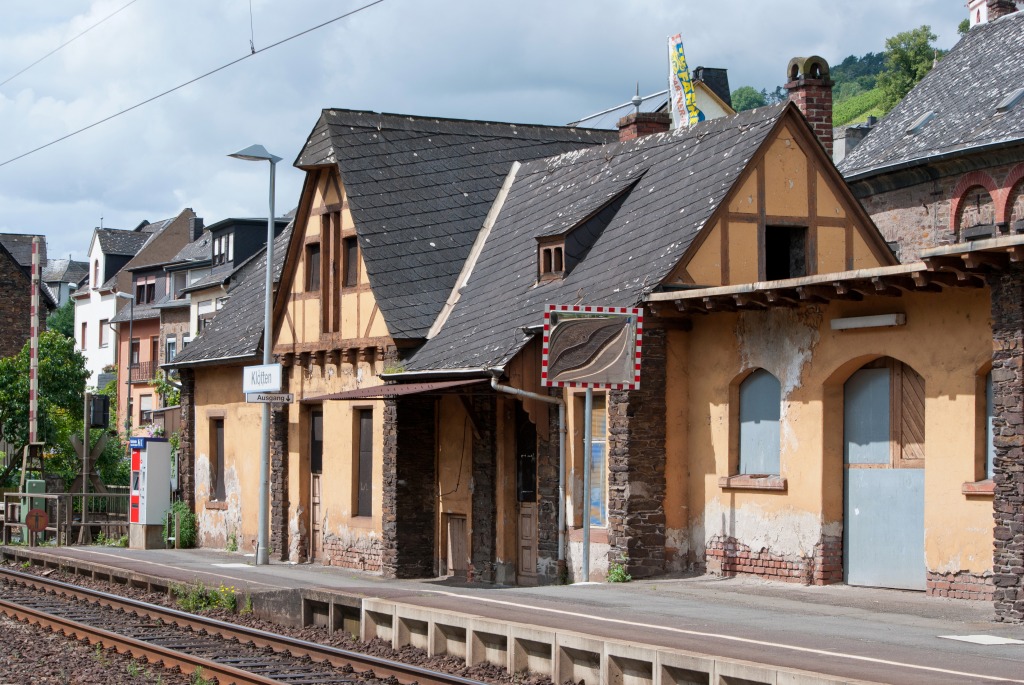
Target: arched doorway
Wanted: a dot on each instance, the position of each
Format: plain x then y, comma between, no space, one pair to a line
883,460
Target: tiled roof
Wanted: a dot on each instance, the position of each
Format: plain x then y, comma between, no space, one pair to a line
419,190
65,270
237,330
665,187
962,92
20,247
119,242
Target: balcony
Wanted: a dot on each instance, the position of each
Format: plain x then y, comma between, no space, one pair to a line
143,372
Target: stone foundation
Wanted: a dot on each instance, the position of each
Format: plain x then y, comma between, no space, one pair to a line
960,585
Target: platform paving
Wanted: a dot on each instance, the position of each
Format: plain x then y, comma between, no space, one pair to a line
857,634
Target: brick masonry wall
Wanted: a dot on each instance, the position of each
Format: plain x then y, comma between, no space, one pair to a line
408,489
15,293
727,556
636,465
641,124
814,99
361,554
484,408
279,503
919,217
1008,439
187,438
961,585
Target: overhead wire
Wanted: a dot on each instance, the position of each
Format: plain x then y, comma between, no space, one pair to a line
66,43
190,82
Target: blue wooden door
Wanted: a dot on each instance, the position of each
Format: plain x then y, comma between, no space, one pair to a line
883,531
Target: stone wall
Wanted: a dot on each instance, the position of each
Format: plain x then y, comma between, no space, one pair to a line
484,408
187,438
636,465
279,503
1008,438
15,293
409,507
547,501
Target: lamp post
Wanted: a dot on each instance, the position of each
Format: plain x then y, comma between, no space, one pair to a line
128,366
258,153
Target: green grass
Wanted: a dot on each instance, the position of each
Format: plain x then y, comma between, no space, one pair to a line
858,108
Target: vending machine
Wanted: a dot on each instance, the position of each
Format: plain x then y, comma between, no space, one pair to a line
150,495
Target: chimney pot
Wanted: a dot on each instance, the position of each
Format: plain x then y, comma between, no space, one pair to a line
810,89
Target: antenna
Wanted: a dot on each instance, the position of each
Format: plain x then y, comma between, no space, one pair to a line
637,100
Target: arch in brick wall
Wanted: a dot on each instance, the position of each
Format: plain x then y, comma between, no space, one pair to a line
968,182
1013,188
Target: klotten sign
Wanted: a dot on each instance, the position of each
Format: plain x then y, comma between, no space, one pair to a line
262,378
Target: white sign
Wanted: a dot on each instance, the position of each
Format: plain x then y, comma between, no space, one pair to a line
262,378
270,397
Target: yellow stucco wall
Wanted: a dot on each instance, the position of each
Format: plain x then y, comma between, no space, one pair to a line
812,362
219,395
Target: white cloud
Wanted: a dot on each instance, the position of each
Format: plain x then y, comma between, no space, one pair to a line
529,61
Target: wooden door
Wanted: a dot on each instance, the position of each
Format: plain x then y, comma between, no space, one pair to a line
883,531
316,460
526,568
458,547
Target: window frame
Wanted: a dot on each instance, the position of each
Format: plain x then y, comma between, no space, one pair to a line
104,340
362,462
313,267
745,463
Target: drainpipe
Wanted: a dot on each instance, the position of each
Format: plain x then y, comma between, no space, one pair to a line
561,454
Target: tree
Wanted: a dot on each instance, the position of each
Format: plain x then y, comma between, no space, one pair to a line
908,57
62,377
964,27
747,97
62,319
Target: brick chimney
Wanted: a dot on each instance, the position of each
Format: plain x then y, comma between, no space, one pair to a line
810,89
640,124
1000,8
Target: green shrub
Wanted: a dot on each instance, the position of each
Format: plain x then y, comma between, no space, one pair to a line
188,526
617,572
195,597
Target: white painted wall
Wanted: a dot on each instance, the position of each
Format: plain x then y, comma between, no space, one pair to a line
91,307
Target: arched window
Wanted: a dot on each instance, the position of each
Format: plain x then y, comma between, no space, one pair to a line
760,408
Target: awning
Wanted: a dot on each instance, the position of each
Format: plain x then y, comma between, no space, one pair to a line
386,392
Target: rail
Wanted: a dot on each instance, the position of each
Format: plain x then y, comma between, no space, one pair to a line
225,670
143,372
106,512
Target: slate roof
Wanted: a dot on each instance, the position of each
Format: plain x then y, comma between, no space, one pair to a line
963,91
237,330
419,190
121,242
141,313
20,247
65,271
680,179
196,251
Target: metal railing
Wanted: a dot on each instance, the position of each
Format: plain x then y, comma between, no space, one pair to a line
143,372
104,512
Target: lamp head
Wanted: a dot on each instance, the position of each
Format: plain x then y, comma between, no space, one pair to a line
256,153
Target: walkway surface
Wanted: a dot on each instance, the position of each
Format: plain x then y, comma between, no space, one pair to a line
884,636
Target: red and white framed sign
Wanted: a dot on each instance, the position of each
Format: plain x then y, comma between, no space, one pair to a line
592,347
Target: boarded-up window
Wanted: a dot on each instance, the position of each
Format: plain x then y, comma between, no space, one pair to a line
364,462
883,415
316,441
760,407
217,490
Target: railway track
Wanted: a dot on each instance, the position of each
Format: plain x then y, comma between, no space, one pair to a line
228,652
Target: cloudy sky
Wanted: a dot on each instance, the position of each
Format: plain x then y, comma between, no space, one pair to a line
530,61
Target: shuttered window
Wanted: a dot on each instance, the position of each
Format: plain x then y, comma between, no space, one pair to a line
883,415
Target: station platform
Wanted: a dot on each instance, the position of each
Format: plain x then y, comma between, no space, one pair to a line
735,631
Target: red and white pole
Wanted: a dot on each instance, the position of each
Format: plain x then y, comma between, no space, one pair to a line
33,349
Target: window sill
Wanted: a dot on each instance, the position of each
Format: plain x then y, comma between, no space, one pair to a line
983,488
213,504
753,482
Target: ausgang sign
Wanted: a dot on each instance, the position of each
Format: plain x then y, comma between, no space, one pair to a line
262,378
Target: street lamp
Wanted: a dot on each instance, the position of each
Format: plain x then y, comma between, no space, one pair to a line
128,367
258,153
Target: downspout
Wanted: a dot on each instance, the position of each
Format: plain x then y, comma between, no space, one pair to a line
508,390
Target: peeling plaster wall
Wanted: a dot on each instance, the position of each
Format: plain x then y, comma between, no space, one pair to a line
947,339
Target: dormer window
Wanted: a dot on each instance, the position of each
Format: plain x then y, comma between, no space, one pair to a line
552,261
223,248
